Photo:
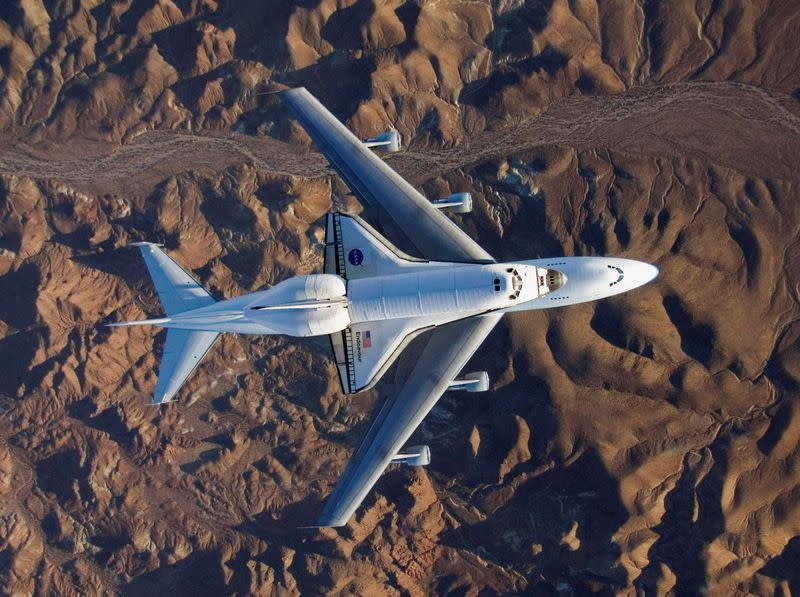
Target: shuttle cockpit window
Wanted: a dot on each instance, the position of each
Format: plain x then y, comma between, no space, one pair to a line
516,283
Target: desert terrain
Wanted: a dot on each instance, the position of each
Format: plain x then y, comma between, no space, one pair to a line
645,444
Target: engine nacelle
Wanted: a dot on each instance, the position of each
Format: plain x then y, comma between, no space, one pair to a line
391,141
313,305
476,381
460,203
413,456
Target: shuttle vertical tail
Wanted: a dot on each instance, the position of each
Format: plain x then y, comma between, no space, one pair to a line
183,349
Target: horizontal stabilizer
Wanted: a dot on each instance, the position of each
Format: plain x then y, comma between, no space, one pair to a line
183,351
177,290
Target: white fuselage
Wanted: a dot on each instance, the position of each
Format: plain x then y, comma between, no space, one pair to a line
322,304
451,289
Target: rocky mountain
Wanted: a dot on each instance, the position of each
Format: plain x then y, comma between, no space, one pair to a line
645,444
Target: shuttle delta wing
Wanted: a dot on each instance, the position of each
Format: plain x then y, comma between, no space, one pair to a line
354,249
364,351
447,351
370,348
375,183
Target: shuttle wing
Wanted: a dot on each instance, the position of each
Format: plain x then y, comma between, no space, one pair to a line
353,249
375,183
447,351
365,351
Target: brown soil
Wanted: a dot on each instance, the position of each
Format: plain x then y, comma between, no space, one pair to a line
647,443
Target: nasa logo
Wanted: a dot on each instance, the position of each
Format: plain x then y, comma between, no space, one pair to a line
356,257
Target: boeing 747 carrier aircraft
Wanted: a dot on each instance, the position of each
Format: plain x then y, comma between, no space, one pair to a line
372,300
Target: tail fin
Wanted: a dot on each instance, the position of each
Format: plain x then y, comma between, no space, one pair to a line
179,292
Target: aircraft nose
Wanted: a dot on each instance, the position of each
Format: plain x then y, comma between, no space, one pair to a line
642,273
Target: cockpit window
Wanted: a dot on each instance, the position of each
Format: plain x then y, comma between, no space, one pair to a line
549,280
619,272
516,284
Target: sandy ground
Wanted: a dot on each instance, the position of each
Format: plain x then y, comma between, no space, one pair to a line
643,444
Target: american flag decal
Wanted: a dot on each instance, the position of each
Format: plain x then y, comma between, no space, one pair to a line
367,339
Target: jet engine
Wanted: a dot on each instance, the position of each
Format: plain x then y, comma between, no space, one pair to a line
460,203
476,381
413,456
390,140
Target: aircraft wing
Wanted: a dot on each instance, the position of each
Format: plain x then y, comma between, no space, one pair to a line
354,250
447,351
375,183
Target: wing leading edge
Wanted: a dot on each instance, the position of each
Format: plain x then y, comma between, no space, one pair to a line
447,351
375,183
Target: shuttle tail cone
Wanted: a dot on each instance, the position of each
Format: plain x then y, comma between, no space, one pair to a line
158,321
